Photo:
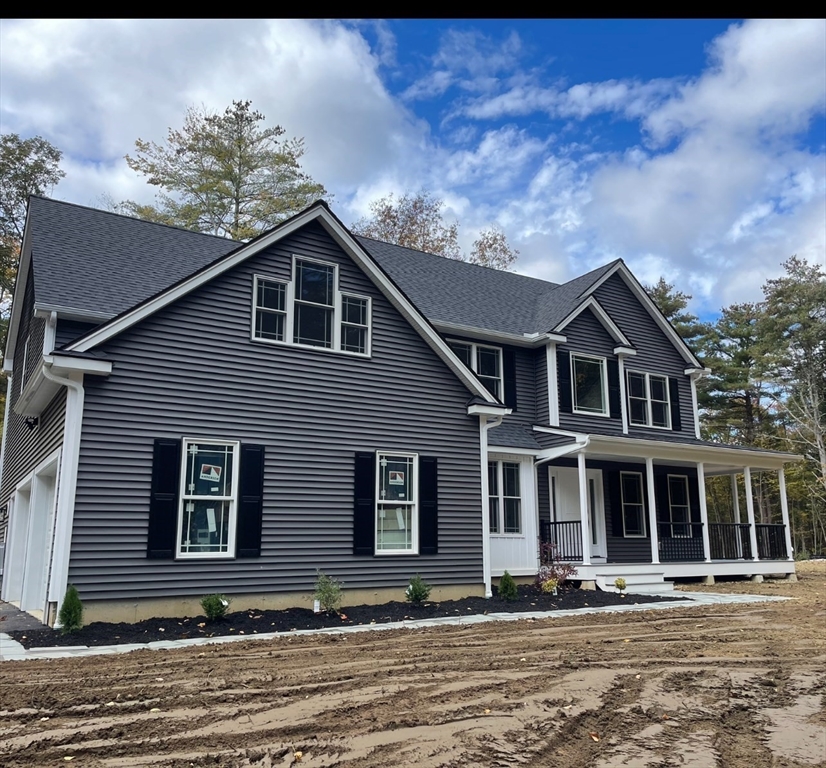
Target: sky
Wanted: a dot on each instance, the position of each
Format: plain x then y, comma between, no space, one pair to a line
693,149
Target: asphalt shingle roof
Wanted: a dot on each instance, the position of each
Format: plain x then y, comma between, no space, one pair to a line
103,263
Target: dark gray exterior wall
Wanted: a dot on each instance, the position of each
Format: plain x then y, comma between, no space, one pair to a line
191,370
655,351
69,330
25,448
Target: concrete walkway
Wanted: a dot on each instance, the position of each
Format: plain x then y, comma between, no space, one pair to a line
13,619
11,650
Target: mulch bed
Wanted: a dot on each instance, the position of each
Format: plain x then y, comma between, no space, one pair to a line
255,622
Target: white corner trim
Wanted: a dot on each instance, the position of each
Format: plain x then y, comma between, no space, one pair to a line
484,427
9,385
601,315
67,483
553,383
623,394
49,332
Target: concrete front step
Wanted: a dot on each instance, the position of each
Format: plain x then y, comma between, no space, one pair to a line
636,583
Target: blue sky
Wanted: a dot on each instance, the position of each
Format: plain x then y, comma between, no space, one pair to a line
692,149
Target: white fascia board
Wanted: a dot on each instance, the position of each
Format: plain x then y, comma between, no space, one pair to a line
488,410
510,450
698,372
62,365
72,313
515,339
653,309
629,446
563,432
321,214
17,300
601,315
625,351
39,390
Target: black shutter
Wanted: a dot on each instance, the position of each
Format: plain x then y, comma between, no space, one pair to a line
250,502
163,504
364,504
674,394
614,400
615,503
428,505
563,377
509,376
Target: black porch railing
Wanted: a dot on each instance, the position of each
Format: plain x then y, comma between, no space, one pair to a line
680,542
566,538
729,541
771,542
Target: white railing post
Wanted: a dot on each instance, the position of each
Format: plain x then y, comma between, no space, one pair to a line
701,483
750,511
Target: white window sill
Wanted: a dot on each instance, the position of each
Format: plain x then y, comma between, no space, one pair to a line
274,342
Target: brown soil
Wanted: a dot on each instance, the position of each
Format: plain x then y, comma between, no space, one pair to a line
734,686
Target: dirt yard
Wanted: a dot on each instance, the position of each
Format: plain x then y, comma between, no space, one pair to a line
730,686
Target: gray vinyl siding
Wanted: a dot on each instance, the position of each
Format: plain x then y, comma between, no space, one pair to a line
191,370
525,412
25,448
69,330
540,359
655,351
587,335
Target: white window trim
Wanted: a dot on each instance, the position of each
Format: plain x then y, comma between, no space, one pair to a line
688,522
606,412
648,400
500,484
183,497
290,304
474,361
414,505
644,533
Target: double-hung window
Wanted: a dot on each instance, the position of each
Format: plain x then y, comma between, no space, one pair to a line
589,385
396,503
209,498
311,310
679,509
648,401
484,361
633,504
504,497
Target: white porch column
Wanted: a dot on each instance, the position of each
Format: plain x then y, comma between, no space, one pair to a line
784,509
652,511
583,509
750,511
735,503
701,483
483,452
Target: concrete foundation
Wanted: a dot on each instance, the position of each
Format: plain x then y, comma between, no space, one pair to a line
792,577
757,578
174,607
589,585
708,580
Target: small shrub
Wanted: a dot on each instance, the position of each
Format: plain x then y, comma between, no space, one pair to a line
551,567
418,590
620,584
802,555
507,587
215,606
549,586
327,592
71,611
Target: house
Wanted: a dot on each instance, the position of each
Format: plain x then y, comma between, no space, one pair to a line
189,415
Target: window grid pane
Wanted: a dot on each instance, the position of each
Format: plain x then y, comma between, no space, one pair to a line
589,394
314,283
633,507
505,499
463,352
313,325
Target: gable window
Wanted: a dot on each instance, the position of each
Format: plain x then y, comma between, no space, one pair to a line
396,503
209,494
310,310
589,385
633,504
648,401
484,361
679,509
504,497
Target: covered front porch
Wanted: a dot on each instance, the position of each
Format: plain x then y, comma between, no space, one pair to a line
615,505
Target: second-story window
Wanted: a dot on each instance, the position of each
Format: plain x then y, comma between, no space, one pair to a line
589,385
648,402
310,310
484,361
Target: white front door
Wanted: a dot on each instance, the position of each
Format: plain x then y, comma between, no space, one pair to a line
565,507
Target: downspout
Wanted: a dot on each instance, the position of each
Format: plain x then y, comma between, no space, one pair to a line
67,487
484,426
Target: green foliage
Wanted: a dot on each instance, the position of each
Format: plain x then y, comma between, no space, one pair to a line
327,592
620,583
507,587
70,615
224,174
215,606
418,590
549,586
673,304
551,568
415,221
